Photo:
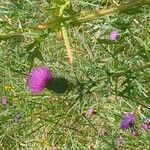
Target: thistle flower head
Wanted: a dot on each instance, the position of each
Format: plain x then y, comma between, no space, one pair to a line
118,141
4,102
128,121
91,112
145,126
134,133
114,35
39,79
17,118
102,132
54,148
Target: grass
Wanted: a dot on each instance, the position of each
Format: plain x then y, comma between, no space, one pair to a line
111,77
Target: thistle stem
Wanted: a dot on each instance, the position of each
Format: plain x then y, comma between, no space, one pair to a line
93,15
10,35
67,43
63,7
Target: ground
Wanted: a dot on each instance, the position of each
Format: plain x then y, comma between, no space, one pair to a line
112,77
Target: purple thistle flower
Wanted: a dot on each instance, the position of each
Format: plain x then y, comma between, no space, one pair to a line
4,101
102,132
145,126
39,79
114,35
91,112
128,121
17,118
54,148
134,133
118,141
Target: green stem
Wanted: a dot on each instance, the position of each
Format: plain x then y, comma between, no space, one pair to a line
136,69
10,35
67,43
63,7
92,15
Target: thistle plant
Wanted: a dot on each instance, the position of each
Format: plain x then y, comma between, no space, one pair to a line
74,74
64,17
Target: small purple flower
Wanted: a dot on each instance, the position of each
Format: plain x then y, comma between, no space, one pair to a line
134,133
118,141
128,121
39,79
146,125
114,35
91,112
4,102
102,132
54,148
17,118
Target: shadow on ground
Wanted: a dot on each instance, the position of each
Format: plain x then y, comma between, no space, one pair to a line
60,85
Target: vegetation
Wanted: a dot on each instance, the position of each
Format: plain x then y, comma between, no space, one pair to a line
90,71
